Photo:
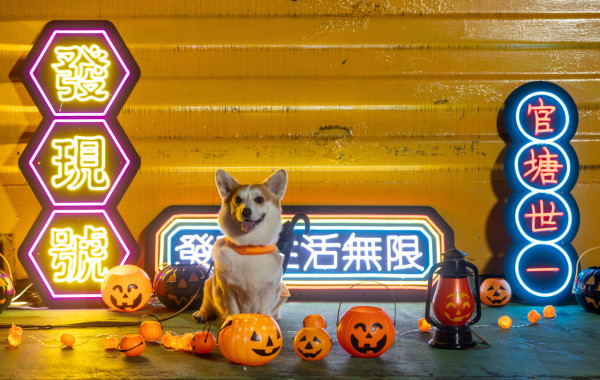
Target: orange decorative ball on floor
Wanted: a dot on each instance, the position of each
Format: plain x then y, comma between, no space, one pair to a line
151,330
424,325
203,342
549,312
167,340
314,320
505,322
15,329
534,316
132,345
14,339
111,342
67,339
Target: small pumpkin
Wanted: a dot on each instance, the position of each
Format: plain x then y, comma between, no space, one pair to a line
312,343
132,345
126,288
505,322
495,292
250,339
151,330
587,289
203,342
67,339
175,285
366,331
314,320
533,317
7,290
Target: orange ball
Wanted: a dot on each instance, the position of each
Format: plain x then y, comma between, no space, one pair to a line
314,320
549,311
187,341
167,340
424,325
177,342
533,316
14,339
151,330
67,339
15,329
111,342
132,345
505,322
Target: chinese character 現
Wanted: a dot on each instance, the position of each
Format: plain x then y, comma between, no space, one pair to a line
80,160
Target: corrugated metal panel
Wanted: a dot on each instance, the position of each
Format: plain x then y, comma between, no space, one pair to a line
364,102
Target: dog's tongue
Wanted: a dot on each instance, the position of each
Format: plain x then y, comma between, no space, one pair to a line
247,225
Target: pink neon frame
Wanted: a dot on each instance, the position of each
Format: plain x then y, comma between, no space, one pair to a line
115,183
115,51
40,273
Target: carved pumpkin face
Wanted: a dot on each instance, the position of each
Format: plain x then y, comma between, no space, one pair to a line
366,331
126,288
250,339
175,285
7,290
495,292
458,308
587,289
312,343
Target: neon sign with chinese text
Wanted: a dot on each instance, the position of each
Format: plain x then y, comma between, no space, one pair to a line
395,246
79,161
541,216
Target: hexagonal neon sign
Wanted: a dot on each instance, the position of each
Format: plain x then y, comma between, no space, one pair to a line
72,250
79,69
79,162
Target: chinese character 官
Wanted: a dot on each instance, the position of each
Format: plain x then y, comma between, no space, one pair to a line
542,114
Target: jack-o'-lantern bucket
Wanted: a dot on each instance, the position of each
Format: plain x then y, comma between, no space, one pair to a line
126,288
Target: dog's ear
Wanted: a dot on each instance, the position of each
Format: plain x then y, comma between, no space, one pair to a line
225,183
277,183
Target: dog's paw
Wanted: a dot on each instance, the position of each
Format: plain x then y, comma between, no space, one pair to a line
199,317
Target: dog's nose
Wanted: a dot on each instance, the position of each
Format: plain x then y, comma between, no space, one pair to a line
246,213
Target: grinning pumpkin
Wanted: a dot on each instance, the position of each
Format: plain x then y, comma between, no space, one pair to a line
587,289
7,290
126,288
366,331
456,308
250,339
312,343
495,292
175,285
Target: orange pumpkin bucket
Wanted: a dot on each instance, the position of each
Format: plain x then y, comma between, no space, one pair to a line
366,331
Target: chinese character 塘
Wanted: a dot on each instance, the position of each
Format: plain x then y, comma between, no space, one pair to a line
545,166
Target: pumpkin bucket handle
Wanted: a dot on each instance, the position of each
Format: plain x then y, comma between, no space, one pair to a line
362,282
577,266
150,315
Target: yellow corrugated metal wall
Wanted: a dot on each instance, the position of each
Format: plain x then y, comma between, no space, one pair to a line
364,102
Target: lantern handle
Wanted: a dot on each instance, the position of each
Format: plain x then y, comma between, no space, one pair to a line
429,297
362,282
149,315
477,295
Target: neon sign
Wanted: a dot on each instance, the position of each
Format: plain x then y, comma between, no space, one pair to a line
541,216
79,161
396,246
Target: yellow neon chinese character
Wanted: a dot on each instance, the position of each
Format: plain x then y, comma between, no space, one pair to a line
80,160
77,258
81,73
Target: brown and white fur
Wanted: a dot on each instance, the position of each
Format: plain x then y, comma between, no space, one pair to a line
250,216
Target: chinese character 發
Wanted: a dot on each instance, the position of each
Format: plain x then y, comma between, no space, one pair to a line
319,249
543,220
81,73
362,249
80,160
77,258
195,248
405,250
542,117
545,166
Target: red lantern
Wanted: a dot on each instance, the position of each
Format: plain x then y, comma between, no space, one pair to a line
126,288
366,331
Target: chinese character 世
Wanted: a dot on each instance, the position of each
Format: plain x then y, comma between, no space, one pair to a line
545,166
542,117
80,160
81,73
543,220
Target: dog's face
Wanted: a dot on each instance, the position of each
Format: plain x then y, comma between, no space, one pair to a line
251,214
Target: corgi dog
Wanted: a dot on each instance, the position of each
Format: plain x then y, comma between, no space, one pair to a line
248,271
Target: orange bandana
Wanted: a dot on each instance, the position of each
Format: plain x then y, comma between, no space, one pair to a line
251,250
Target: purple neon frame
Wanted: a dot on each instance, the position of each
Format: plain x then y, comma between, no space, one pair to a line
31,256
115,184
84,114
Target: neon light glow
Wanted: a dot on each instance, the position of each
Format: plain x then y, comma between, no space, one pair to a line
81,73
541,216
80,160
341,249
